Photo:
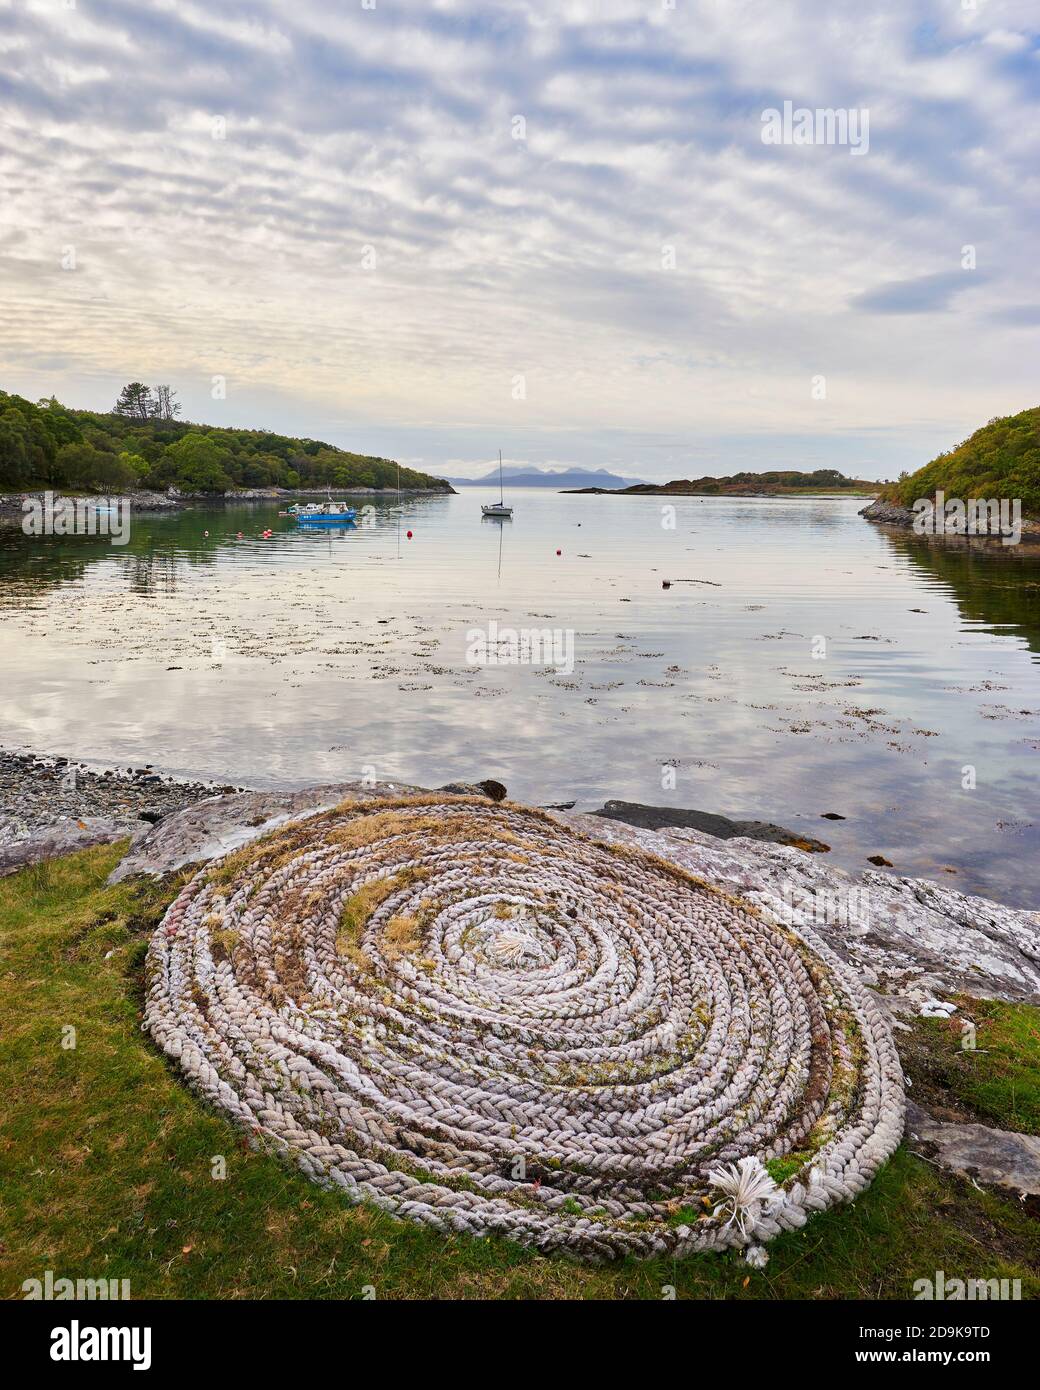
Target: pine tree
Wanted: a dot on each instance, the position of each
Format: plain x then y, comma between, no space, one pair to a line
135,401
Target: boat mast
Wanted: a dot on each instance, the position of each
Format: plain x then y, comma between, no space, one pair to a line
501,494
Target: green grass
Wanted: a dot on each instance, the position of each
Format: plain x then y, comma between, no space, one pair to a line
999,1082
106,1164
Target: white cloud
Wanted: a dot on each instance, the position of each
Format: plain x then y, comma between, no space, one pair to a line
390,128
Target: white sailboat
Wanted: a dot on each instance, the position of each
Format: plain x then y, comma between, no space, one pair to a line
498,508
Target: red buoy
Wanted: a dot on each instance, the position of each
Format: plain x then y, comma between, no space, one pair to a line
409,535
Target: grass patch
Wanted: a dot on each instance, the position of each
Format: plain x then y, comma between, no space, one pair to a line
780,1169
401,937
356,911
997,1083
106,1164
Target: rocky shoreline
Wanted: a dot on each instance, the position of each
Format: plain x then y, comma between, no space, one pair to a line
903,934
884,513
12,503
888,514
12,506
52,806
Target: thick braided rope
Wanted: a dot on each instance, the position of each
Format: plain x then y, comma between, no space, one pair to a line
480,1020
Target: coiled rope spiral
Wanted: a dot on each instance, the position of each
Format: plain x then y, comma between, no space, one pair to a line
483,1021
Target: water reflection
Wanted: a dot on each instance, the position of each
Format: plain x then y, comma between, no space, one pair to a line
995,586
694,650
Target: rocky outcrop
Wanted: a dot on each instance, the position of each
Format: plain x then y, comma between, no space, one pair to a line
999,1157
719,827
219,824
56,840
888,514
893,514
12,506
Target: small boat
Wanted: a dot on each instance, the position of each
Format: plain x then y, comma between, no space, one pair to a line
327,513
499,508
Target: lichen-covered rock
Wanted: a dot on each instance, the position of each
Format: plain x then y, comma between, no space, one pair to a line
999,1157
65,837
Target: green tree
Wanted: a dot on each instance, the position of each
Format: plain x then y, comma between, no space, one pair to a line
136,466
200,462
135,401
15,460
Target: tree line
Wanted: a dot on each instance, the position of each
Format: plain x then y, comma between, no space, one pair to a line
142,444
1002,459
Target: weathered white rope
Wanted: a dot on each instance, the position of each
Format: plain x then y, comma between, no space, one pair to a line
480,1020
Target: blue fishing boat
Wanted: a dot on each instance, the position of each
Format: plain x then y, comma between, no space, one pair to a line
328,513
339,516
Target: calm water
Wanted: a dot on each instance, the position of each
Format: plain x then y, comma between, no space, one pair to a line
315,656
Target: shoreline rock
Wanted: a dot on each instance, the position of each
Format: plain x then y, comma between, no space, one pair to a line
888,514
66,837
719,827
49,802
11,502
908,937
213,827
999,1157
884,513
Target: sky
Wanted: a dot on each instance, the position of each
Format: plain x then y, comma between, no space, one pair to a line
430,229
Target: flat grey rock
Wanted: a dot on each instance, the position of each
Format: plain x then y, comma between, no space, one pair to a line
720,827
999,1157
64,837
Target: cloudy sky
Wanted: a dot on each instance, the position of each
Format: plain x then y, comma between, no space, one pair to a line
428,229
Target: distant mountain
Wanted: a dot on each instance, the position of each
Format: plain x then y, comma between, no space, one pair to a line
546,477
